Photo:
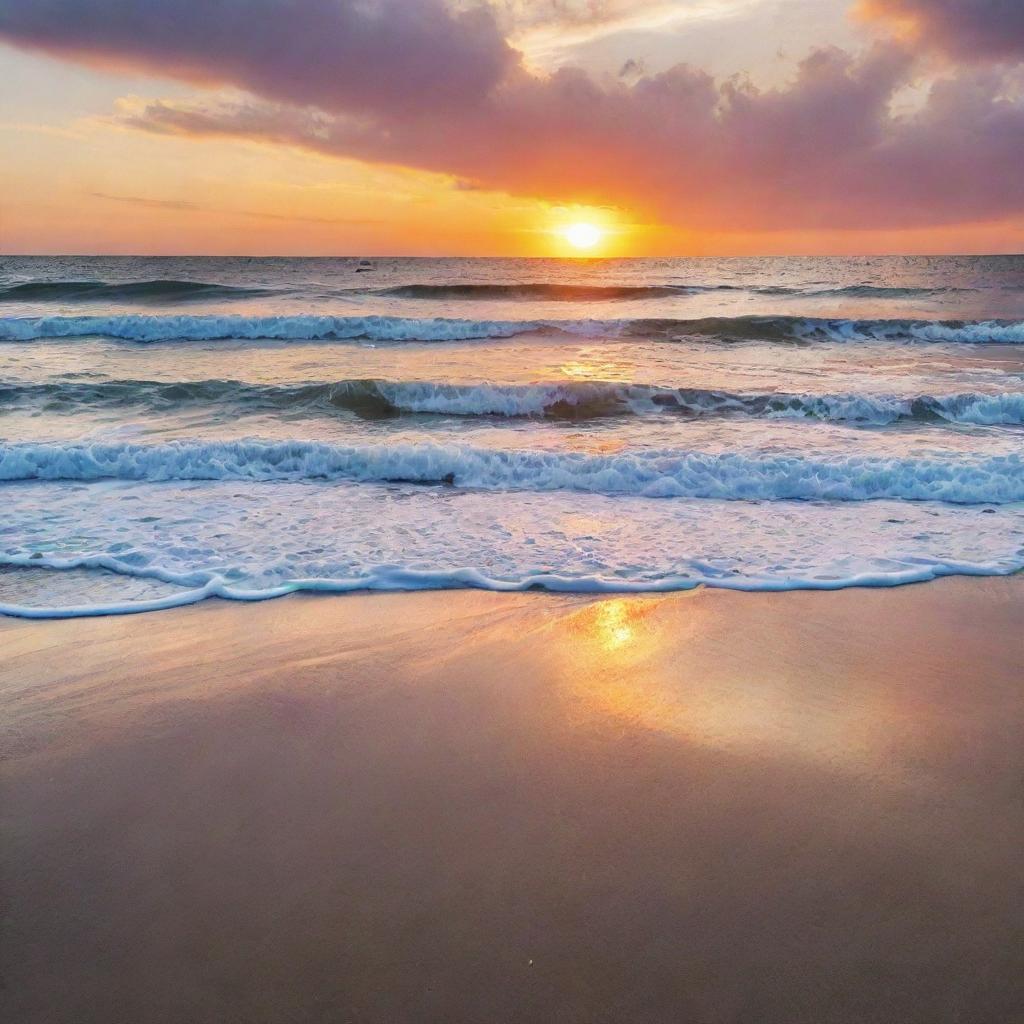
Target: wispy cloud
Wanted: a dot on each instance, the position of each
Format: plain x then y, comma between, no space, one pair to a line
560,27
181,205
157,204
56,130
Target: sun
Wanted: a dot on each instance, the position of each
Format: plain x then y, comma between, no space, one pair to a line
582,236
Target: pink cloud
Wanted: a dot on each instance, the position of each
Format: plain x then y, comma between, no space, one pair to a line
413,84
826,152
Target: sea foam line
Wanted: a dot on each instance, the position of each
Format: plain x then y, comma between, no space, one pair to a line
397,578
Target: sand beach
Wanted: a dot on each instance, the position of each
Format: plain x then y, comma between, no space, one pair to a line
471,807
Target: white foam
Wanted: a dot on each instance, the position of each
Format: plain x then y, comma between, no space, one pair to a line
213,327
140,328
983,332
245,541
540,399
666,473
580,399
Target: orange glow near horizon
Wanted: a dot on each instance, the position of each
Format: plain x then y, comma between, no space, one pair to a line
129,146
95,189
591,232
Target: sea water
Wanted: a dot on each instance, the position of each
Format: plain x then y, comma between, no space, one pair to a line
178,428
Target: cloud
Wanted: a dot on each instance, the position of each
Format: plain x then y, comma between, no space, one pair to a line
156,204
179,205
967,29
826,151
519,16
632,68
549,30
367,56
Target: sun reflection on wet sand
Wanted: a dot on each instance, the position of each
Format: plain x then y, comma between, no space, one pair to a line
615,626
628,666
612,642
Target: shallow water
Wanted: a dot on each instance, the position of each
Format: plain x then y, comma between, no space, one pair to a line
247,427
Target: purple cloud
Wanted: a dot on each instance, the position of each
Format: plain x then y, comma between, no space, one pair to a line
825,152
367,56
968,29
445,93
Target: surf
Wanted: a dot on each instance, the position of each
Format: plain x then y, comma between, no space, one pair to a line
142,328
668,473
559,400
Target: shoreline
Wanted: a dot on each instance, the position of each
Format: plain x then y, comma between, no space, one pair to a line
413,581
473,806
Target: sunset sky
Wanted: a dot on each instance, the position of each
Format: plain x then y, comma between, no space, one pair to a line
326,127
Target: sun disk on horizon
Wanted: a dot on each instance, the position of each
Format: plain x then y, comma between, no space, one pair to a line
583,236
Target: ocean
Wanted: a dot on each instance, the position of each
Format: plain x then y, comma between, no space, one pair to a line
173,429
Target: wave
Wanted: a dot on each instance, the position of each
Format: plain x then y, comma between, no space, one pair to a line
554,292
858,291
142,328
170,290
654,474
792,329
540,290
871,291
375,399
127,291
812,329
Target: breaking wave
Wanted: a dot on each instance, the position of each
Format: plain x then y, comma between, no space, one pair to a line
141,328
812,329
765,476
793,329
375,399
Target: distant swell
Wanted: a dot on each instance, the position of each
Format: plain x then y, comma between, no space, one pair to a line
131,291
810,329
375,399
170,291
792,329
597,293
540,290
859,291
656,474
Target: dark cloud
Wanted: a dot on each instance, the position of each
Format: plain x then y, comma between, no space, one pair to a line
632,68
368,56
969,29
827,151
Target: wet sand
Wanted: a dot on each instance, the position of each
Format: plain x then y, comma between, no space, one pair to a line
470,807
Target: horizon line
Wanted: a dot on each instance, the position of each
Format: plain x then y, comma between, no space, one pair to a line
492,256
